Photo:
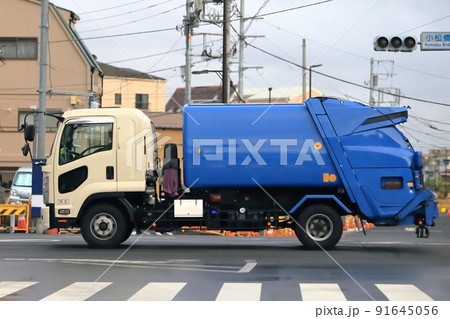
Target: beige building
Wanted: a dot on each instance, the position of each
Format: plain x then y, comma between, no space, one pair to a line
169,128
128,88
73,73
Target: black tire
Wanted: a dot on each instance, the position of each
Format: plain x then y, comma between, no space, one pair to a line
319,226
128,232
104,226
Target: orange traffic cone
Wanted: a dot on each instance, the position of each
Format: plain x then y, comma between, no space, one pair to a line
346,223
21,224
369,225
269,233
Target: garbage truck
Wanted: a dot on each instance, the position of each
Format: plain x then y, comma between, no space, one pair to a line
244,167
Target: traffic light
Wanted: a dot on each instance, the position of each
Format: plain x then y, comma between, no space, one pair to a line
394,43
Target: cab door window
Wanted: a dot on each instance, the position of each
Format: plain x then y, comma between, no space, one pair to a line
80,139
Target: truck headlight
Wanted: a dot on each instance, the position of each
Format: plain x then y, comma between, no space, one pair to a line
45,189
13,192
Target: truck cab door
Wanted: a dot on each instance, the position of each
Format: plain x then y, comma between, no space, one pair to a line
86,156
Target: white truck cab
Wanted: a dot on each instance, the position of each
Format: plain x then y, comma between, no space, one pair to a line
86,151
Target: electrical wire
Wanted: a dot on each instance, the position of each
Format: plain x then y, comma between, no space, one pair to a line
291,9
115,7
346,81
125,13
134,21
353,54
424,25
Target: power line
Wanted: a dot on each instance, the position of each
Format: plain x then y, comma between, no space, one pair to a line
124,13
356,55
423,25
428,120
134,21
346,81
291,9
115,7
158,54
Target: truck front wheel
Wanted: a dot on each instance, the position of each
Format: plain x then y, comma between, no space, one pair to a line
318,226
103,226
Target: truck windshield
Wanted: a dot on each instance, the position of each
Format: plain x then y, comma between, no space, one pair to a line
83,138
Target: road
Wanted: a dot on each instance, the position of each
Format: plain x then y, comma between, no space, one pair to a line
390,263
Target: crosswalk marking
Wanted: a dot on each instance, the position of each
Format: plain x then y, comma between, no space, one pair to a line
158,291
230,291
403,292
321,292
77,291
10,287
239,292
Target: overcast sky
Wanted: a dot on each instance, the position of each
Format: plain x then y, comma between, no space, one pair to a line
339,35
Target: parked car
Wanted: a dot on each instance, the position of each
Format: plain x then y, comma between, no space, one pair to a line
21,186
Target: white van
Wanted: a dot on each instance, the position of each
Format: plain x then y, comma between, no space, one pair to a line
21,186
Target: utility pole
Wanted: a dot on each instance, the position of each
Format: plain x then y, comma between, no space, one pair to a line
376,77
36,189
226,52
40,121
188,20
241,51
372,83
304,70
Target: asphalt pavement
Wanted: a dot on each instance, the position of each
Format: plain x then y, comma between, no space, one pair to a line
389,263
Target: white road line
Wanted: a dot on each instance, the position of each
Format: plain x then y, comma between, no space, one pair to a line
10,287
403,292
28,240
248,266
239,292
77,291
158,291
321,292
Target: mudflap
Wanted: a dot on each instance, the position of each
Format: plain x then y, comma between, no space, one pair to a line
422,208
431,212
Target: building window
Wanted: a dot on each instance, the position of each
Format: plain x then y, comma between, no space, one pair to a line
19,48
51,123
118,99
142,101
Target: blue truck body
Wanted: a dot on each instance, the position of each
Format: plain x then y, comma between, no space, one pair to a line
325,148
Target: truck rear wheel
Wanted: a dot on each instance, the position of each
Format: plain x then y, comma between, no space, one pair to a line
319,226
104,226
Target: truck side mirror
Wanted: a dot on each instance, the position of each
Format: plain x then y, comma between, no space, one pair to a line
26,149
29,132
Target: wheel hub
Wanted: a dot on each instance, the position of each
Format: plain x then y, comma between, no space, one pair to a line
103,226
319,227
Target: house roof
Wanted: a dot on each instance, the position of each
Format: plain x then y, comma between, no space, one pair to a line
163,120
199,94
113,71
205,94
276,93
